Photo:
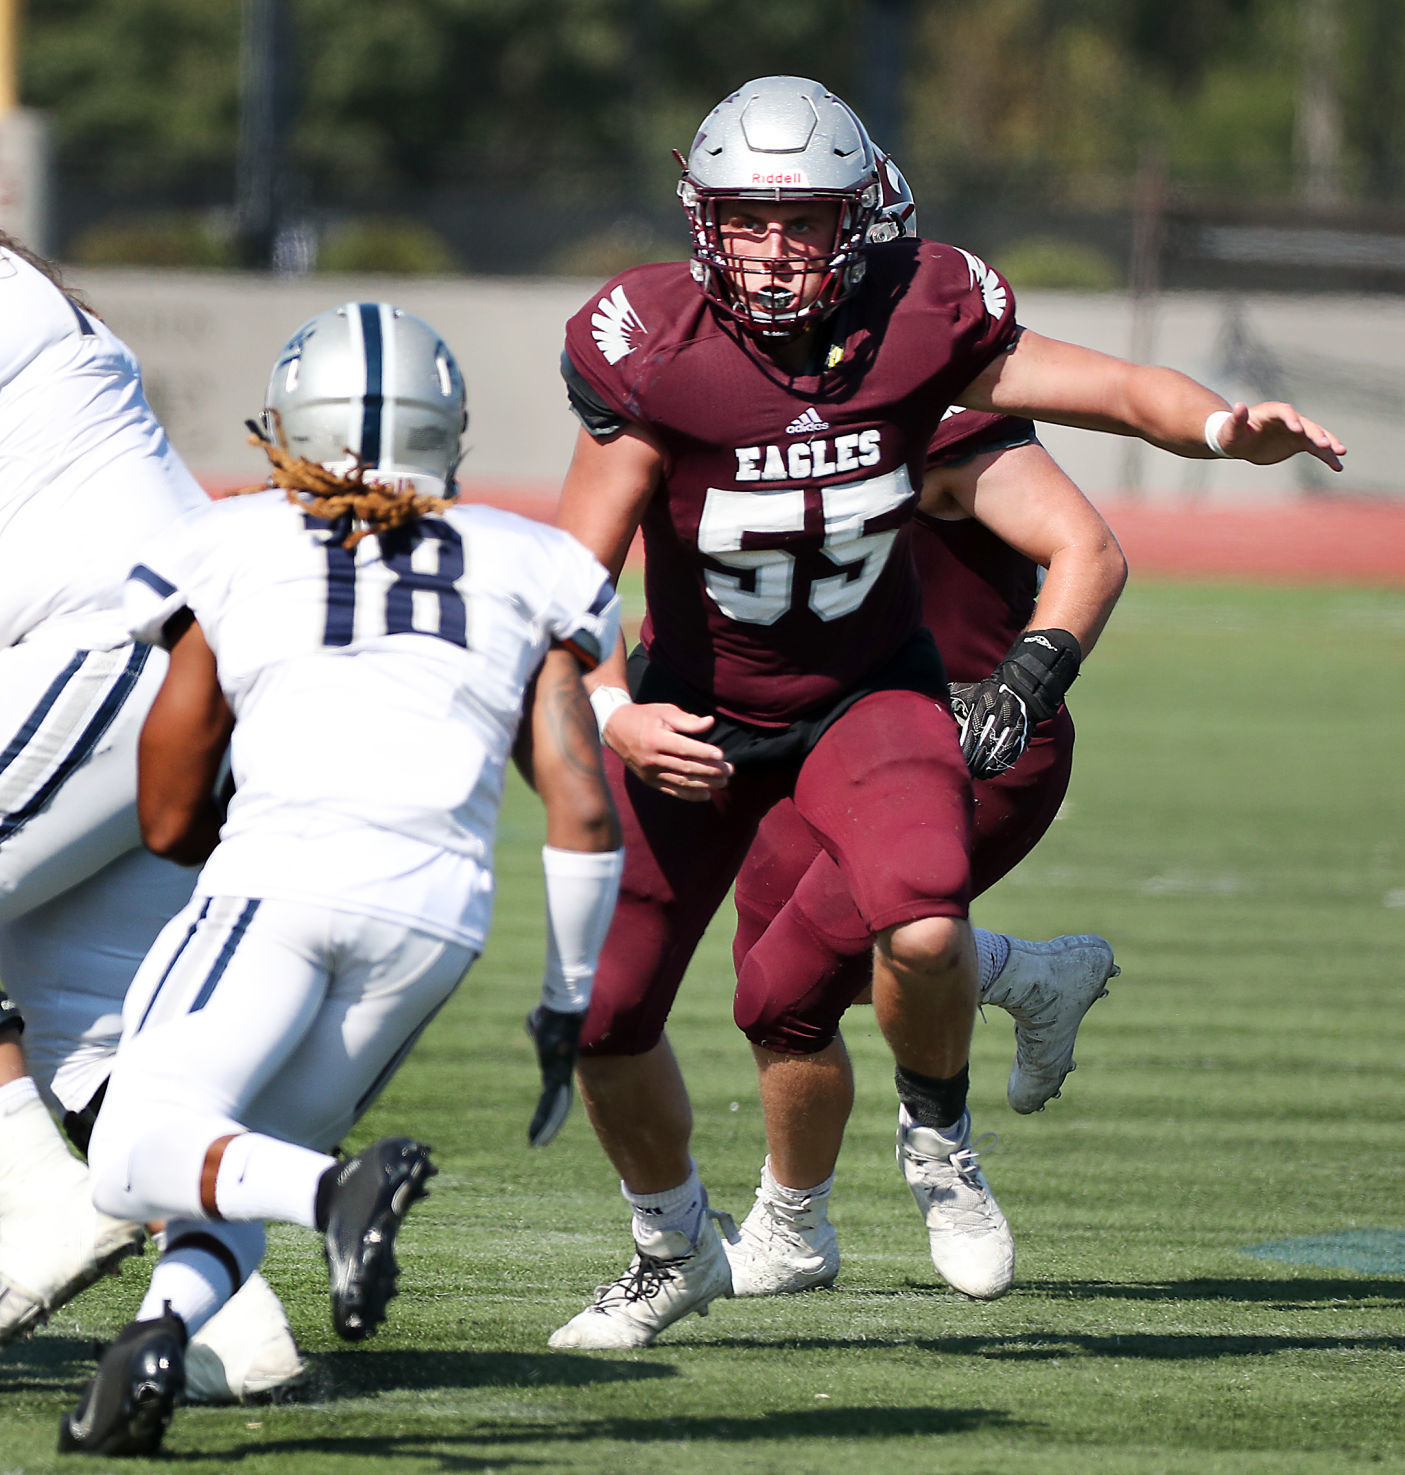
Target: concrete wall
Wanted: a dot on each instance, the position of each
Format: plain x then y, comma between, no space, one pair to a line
207,342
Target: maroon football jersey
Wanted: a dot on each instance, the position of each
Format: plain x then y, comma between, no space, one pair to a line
978,593
966,433
777,566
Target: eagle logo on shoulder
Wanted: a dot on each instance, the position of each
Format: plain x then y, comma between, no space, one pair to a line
615,326
992,289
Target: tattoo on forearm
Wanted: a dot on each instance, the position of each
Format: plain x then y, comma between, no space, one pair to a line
567,713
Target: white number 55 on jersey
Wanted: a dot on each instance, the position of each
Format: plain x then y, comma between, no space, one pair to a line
763,587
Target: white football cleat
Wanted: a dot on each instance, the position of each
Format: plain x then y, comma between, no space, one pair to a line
668,1278
782,1246
246,1350
971,1244
1048,987
49,1254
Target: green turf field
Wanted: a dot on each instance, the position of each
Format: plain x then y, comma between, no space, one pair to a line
1237,827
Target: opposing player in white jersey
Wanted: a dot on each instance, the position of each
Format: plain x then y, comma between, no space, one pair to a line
87,477
370,647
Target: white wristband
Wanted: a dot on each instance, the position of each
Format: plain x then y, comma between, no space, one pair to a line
605,701
581,887
1213,425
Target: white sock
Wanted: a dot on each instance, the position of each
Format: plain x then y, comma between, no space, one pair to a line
13,1094
31,1149
796,1196
676,1209
992,953
264,1178
195,1282
195,1277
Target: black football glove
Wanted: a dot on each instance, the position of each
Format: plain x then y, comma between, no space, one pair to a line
557,1037
994,725
998,716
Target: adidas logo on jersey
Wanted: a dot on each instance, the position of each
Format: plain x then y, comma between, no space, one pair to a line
614,325
810,423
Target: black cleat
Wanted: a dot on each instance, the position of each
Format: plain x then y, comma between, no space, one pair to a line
126,1407
370,1198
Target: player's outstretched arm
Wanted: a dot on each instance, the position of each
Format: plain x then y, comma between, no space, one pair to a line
182,746
582,861
607,487
1067,384
1271,432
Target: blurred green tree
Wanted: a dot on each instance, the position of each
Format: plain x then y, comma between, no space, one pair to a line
1009,101
141,91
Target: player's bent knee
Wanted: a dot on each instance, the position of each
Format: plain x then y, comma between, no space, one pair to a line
615,1042
146,1157
787,1036
926,945
107,1174
787,1026
790,1010
116,1188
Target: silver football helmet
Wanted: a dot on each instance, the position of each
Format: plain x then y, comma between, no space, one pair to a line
367,382
897,210
779,138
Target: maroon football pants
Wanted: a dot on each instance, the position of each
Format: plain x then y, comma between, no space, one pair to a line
883,796
802,948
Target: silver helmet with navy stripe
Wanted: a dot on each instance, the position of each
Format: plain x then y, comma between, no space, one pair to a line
783,139
369,383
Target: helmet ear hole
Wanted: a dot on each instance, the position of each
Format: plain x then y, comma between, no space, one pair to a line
896,212
368,383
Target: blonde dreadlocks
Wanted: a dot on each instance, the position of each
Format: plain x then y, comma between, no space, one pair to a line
332,495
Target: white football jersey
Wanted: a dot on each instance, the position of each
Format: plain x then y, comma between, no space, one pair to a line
377,692
86,472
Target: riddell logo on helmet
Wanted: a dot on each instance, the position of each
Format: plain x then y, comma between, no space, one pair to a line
779,176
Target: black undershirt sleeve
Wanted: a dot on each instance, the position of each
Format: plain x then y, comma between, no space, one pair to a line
597,417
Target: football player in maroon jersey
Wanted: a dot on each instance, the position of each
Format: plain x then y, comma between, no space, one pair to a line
763,414
978,596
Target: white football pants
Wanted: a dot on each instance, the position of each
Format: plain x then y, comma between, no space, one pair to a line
80,901
278,1017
